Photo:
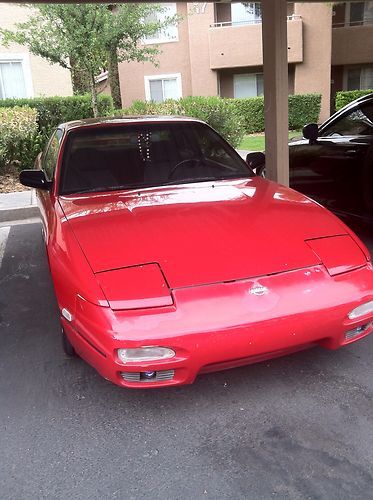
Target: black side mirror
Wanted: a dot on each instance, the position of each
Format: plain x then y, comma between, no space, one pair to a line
311,132
256,162
35,179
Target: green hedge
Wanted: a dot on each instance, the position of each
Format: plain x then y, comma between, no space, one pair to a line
303,109
345,97
221,114
55,110
232,117
251,109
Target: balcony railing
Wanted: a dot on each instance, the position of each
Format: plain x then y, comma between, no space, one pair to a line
252,21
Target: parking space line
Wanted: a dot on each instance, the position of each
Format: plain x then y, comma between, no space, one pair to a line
4,233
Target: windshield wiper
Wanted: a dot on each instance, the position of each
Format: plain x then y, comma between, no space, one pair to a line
188,179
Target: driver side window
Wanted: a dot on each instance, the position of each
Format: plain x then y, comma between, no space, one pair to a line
49,159
358,122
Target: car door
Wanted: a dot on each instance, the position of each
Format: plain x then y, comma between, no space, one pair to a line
335,169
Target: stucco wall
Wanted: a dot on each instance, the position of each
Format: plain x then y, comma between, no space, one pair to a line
313,75
237,46
174,58
352,45
47,79
189,56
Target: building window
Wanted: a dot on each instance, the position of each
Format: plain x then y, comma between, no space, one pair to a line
248,12
248,85
169,34
12,80
15,76
358,13
159,88
358,78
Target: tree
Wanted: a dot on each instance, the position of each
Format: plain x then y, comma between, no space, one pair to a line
86,38
130,24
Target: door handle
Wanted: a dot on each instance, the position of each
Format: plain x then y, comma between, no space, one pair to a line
352,152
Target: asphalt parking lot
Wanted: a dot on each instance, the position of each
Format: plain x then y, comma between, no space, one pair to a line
300,427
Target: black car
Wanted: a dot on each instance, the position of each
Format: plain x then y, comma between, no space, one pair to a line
333,163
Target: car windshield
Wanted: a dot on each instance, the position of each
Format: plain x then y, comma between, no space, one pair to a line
140,155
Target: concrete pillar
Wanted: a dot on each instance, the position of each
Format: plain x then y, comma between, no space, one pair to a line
313,75
275,68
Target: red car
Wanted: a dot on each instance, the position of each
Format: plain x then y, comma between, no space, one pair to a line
170,258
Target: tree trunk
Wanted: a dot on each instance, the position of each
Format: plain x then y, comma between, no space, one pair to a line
94,95
113,76
79,78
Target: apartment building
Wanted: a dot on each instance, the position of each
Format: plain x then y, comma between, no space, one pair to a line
23,74
217,50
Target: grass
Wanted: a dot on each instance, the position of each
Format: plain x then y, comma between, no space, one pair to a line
256,142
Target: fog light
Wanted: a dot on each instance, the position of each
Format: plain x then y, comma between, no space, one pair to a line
145,354
362,310
355,332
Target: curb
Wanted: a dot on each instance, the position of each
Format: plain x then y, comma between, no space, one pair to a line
11,214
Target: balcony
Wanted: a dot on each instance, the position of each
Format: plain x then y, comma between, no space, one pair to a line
352,44
234,45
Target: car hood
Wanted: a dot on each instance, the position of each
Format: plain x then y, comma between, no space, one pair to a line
200,233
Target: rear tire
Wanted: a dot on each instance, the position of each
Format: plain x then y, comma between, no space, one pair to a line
67,347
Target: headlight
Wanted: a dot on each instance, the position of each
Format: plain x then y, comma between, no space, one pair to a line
145,354
362,310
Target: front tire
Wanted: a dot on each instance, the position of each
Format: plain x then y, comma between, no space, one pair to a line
67,347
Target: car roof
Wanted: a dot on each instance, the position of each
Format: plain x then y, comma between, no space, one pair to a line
88,122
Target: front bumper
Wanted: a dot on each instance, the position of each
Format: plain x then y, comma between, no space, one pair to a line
219,326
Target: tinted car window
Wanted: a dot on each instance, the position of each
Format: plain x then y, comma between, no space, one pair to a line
145,155
357,122
50,156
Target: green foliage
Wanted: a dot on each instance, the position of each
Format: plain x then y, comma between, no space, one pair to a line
303,109
221,114
231,117
345,97
251,109
18,135
54,110
81,36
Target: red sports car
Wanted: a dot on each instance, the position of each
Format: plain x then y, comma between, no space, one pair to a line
170,258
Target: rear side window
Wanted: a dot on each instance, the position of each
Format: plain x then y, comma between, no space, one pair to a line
50,155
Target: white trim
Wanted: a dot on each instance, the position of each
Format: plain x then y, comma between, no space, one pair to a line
347,14
102,76
176,76
24,59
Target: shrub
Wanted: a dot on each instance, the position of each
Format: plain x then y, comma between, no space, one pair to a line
54,110
303,109
251,109
18,135
345,97
221,114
